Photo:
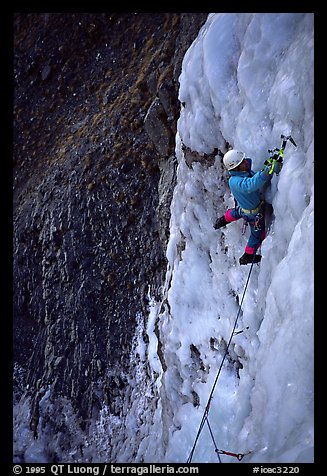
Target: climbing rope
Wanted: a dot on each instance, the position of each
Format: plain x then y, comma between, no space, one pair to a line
214,442
239,456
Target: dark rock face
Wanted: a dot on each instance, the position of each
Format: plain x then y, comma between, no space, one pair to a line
95,113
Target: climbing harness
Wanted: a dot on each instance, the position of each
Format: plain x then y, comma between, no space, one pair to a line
206,411
253,211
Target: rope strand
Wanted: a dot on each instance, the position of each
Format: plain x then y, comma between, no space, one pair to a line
214,442
206,411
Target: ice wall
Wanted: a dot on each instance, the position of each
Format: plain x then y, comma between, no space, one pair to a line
246,79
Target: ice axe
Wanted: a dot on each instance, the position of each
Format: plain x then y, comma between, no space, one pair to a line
277,154
285,139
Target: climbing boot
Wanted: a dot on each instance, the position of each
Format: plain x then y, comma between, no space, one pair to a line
249,259
220,223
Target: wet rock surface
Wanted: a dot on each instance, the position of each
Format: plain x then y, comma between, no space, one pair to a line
95,111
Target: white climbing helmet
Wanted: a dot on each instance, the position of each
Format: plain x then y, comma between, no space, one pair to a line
233,158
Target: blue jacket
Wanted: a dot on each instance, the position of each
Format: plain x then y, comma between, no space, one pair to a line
246,187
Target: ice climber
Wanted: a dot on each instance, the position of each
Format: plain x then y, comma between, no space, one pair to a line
247,189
